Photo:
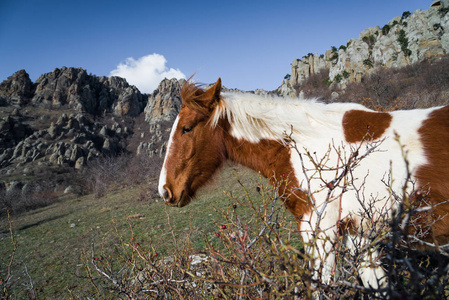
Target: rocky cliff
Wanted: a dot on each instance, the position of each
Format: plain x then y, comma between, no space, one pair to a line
406,39
68,117
74,88
165,102
17,89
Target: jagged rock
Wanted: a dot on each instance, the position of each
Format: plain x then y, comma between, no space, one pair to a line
73,87
41,146
53,131
80,163
81,119
286,89
18,150
89,145
62,119
15,112
69,190
104,131
75,153
165,102
17,89
54,158
130,102
92,154
146,149
424,35
109,146
67,154
79,139
70,134
5,156
163,149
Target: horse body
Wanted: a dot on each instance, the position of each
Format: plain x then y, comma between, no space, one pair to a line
329,162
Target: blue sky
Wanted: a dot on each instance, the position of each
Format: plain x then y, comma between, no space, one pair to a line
249,44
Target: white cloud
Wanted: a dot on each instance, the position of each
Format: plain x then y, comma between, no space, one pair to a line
146,72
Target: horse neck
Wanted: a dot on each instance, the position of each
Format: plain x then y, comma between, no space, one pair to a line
267,157
271,159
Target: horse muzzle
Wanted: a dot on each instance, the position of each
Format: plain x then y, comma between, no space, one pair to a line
170,200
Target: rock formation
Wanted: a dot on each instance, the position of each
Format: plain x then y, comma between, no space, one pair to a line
74,88
16,90
67,118
406,39
165,102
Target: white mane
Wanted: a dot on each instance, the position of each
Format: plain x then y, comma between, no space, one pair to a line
254,117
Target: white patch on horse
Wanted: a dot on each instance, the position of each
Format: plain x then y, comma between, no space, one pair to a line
163,175
370,176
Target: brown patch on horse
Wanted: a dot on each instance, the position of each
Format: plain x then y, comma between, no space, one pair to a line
433,177
347,225
272,160
359,125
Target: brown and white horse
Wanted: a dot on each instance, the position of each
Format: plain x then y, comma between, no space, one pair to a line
311,144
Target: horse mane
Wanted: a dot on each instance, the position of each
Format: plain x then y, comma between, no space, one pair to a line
256,117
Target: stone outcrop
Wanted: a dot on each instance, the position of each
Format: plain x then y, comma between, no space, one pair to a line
74,88
17,89
406,39
165,102
71,140
68,118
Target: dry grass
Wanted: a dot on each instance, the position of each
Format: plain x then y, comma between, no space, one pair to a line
52,240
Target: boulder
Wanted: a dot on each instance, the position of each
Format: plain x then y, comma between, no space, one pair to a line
165,102
17,89
80,162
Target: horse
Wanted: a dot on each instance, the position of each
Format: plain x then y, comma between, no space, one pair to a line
312,151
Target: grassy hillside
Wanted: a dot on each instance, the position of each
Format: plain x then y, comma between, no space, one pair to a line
51,241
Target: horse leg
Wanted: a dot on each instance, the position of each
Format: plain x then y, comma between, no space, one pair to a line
319,245
370,270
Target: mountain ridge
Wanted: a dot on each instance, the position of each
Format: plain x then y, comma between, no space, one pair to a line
404,40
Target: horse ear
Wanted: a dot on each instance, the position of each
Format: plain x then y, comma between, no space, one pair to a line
211,97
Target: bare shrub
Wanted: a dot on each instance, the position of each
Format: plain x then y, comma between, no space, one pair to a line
101,173
419,85
317,86
141,167
115,171
18,200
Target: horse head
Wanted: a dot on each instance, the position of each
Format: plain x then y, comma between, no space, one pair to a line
195,149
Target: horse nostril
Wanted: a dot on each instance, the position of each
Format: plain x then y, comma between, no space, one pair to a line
166,195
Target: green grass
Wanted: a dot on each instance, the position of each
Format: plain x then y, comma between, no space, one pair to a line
51,240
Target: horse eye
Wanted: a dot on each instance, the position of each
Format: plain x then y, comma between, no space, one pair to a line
186,129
